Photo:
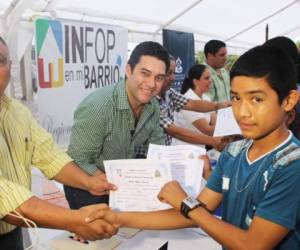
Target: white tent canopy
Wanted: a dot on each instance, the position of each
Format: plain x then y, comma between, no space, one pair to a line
240,23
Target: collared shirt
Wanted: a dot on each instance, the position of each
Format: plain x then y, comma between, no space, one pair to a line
220,87
173,101
104,128
23,143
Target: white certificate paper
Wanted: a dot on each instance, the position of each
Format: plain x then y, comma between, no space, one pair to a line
186,167
226,123
139,182
178,152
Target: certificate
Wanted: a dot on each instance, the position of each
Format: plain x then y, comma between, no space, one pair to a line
178,152
226,123
139,182
186,167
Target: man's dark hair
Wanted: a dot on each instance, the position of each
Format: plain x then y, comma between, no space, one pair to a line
149,48
270,63
213,47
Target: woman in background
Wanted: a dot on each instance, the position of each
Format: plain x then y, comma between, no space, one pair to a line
194,87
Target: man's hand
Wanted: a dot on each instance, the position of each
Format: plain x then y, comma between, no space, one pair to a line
98,184
206,166
99,212
173,194
95,230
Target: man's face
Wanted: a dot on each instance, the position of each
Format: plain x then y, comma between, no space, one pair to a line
254,102
145,80
4,68
170,77
218,60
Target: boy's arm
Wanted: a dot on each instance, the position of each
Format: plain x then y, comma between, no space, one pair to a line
157,220
262,234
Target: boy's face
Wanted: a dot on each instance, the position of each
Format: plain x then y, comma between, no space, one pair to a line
145,80
256,107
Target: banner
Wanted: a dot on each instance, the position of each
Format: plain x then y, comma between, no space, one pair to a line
74,59
181,46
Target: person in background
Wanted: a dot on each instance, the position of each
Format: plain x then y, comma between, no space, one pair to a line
24,143
194,87
170,101
216,55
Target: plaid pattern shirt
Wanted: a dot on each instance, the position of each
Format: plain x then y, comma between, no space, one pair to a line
173,101
104,129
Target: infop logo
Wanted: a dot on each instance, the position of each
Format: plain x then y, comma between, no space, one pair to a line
49,46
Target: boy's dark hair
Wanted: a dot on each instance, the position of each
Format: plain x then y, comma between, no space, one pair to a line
270,63
285,44
149,48
213,47
195,72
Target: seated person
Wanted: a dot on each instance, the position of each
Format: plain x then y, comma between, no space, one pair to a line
170,101
194,87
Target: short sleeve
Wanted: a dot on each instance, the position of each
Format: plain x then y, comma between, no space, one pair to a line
281,202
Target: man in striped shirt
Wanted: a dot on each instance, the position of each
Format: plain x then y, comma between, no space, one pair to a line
116,121
24,143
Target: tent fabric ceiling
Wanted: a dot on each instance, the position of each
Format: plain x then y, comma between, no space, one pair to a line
240,23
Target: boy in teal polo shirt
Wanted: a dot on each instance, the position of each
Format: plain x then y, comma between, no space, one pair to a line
256,179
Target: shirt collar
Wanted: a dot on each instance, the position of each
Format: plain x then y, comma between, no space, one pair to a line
121,96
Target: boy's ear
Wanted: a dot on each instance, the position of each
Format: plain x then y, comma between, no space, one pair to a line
291,100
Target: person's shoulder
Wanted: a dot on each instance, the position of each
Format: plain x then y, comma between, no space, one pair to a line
236,147
154,104
98,98
100,94
16,106
288,154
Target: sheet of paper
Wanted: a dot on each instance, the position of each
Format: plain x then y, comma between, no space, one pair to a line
186,167
226,123
139,182
178,152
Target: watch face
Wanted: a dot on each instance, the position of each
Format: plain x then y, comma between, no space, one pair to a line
191,202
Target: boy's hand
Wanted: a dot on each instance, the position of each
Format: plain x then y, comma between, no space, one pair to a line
98,229
98,211
173,194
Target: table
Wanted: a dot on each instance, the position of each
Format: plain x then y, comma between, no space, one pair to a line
180,239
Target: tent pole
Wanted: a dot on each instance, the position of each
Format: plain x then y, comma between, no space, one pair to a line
178,15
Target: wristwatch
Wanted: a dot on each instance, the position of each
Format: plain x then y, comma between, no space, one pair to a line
189,204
